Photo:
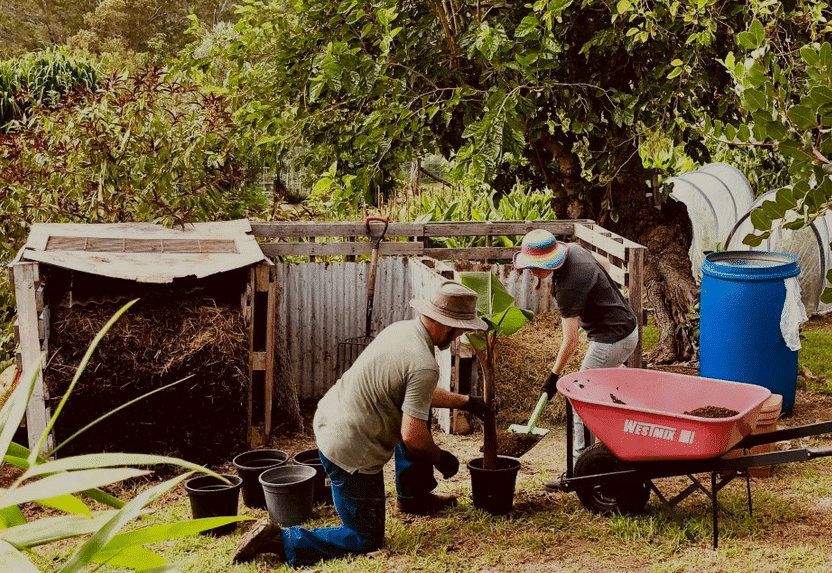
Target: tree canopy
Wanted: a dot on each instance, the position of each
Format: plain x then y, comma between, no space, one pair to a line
551,91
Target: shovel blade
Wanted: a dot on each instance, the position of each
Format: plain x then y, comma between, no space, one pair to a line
520,429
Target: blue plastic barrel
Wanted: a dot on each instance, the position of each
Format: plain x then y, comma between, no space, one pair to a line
741,302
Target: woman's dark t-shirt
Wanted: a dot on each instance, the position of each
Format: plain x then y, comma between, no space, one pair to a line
583,288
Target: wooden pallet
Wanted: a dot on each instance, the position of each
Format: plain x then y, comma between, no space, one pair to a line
32,335
259,306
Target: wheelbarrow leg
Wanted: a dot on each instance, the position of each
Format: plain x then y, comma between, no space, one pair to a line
570,453
714,509
671,511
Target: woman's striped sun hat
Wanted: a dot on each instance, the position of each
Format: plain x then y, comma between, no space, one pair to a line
540,250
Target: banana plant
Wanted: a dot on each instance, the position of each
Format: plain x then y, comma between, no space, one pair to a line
496,307
61,483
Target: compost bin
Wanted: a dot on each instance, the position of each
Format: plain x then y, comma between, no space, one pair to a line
200,318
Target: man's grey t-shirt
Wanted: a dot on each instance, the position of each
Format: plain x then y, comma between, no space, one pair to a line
583,288
359,420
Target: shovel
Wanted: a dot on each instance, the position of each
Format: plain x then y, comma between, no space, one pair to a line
519,439
349,349
531,428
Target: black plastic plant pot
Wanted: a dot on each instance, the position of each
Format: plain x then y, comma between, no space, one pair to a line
249,467
289,491
323,491
493,490
211,497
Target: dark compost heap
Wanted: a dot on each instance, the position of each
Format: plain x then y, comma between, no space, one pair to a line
160,340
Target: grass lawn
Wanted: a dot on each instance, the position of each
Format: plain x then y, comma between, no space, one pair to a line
788,530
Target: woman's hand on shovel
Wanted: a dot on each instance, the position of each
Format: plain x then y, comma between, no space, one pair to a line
550,385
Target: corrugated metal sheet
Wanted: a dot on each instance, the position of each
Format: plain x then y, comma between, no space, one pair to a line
323,304
528,291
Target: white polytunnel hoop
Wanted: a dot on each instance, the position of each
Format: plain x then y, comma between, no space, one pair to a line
716,196
810,245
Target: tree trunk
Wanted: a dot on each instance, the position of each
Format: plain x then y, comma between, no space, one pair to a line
487,359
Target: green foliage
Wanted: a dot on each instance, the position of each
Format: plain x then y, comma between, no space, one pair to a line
60,484
146,26
782,76
41,78
495,306
28,25
455,204
142,148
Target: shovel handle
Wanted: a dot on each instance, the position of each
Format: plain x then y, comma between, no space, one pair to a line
374,219
538,411
371,282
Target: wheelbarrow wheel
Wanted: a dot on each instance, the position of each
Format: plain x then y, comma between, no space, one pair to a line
627,498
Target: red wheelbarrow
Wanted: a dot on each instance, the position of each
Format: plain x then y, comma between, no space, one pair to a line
652,424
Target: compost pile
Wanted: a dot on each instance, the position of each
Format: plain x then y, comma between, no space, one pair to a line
157,341
524,359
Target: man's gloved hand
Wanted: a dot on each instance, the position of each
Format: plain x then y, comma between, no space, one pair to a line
549,386
477,407
447,465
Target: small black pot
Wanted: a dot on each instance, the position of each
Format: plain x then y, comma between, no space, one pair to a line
210,497
249,467
323,491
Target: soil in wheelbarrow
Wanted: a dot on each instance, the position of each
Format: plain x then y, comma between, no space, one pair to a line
712,412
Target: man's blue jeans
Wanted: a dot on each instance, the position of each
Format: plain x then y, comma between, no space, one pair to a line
359,501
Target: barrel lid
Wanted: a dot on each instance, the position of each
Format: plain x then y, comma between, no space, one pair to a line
750,265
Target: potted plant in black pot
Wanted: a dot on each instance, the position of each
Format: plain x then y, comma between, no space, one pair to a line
493,476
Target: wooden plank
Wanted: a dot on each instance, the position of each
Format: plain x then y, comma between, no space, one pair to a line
276,229
617,274
258,361
250,290
635,273
605,244
472,253
389,248
26,283
262,278
271,309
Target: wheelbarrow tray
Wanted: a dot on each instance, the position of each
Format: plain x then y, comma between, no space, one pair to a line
639,414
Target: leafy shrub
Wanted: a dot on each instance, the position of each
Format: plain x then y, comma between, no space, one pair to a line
142,148
451,204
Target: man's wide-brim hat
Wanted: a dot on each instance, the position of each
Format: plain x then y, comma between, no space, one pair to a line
540,250
453,304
